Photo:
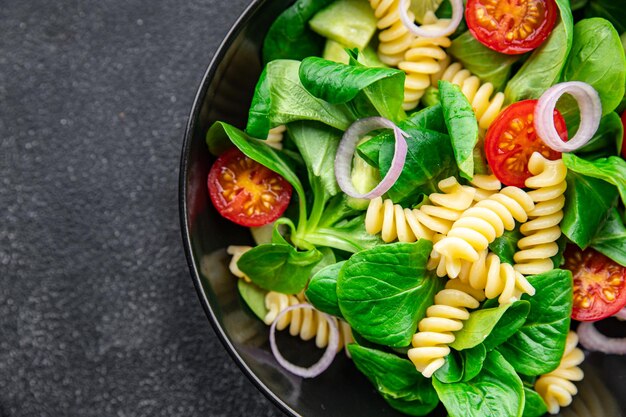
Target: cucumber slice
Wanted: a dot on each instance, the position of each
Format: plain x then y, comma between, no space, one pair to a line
364,178
334,51
254,298
349,22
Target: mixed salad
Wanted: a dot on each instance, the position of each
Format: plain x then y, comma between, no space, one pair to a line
438,186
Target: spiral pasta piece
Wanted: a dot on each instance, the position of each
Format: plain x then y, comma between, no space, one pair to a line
236,252
395,39
556,388
496,278
445,316
406,225
275,137
479,94
480,225
542,230
486,186
421,61
306,323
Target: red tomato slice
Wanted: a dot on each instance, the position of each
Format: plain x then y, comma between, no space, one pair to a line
246,192
511,26
511,140
599,284
624,137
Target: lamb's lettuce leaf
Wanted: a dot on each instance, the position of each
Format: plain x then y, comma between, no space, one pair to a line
322,289
383,292
462,365
611,239
611,170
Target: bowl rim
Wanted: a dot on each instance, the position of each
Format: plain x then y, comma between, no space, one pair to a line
196,107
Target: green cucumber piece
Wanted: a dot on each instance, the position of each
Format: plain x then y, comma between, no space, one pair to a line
336,52
349,22
254,298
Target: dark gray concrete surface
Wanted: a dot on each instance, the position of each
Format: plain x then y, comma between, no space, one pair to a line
98,315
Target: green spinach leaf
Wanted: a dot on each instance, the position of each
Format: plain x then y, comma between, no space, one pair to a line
462,126
611,239
534,406
384,291
317,144
290,37
482,324
611,170
545,65
322,289
396,379
505,246
587,202
485,63
339,83
496,391
597,58
607,141
279,267
348,235
611,10
537,347
462,365
280,98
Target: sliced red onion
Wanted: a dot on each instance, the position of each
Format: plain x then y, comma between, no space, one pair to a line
326,359
593,340
433,30
590,115
347,147
621,315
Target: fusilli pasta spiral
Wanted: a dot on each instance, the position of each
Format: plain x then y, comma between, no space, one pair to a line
556,388
430,343
236,252
542,230
409,225
275,137
479,94
306,323
482,224
497,279
486,186
395,38
420,62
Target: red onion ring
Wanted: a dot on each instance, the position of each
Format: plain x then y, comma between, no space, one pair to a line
593,340
590,114
621,315
347,147
326,359
432,30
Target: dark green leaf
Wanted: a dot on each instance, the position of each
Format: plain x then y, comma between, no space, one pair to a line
254,297
534,405
538,346
396,379
611,239
607,140
290,37
322,289
611,10
597,58
505,246
279,267
611,170
384,291
496,391
587,202
543,68
280,98
462,365
349,236
317,144
485,63
462,126
478,328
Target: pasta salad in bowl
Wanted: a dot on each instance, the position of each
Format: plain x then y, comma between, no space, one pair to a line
416,207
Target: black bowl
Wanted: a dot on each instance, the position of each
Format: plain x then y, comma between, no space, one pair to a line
225,94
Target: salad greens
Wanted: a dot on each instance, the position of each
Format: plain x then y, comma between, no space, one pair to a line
321,248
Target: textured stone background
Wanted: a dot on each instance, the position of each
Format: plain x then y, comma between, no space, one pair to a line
98,315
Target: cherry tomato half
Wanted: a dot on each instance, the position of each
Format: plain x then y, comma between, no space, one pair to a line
599,284
511,140
246,192
511,26
624,137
